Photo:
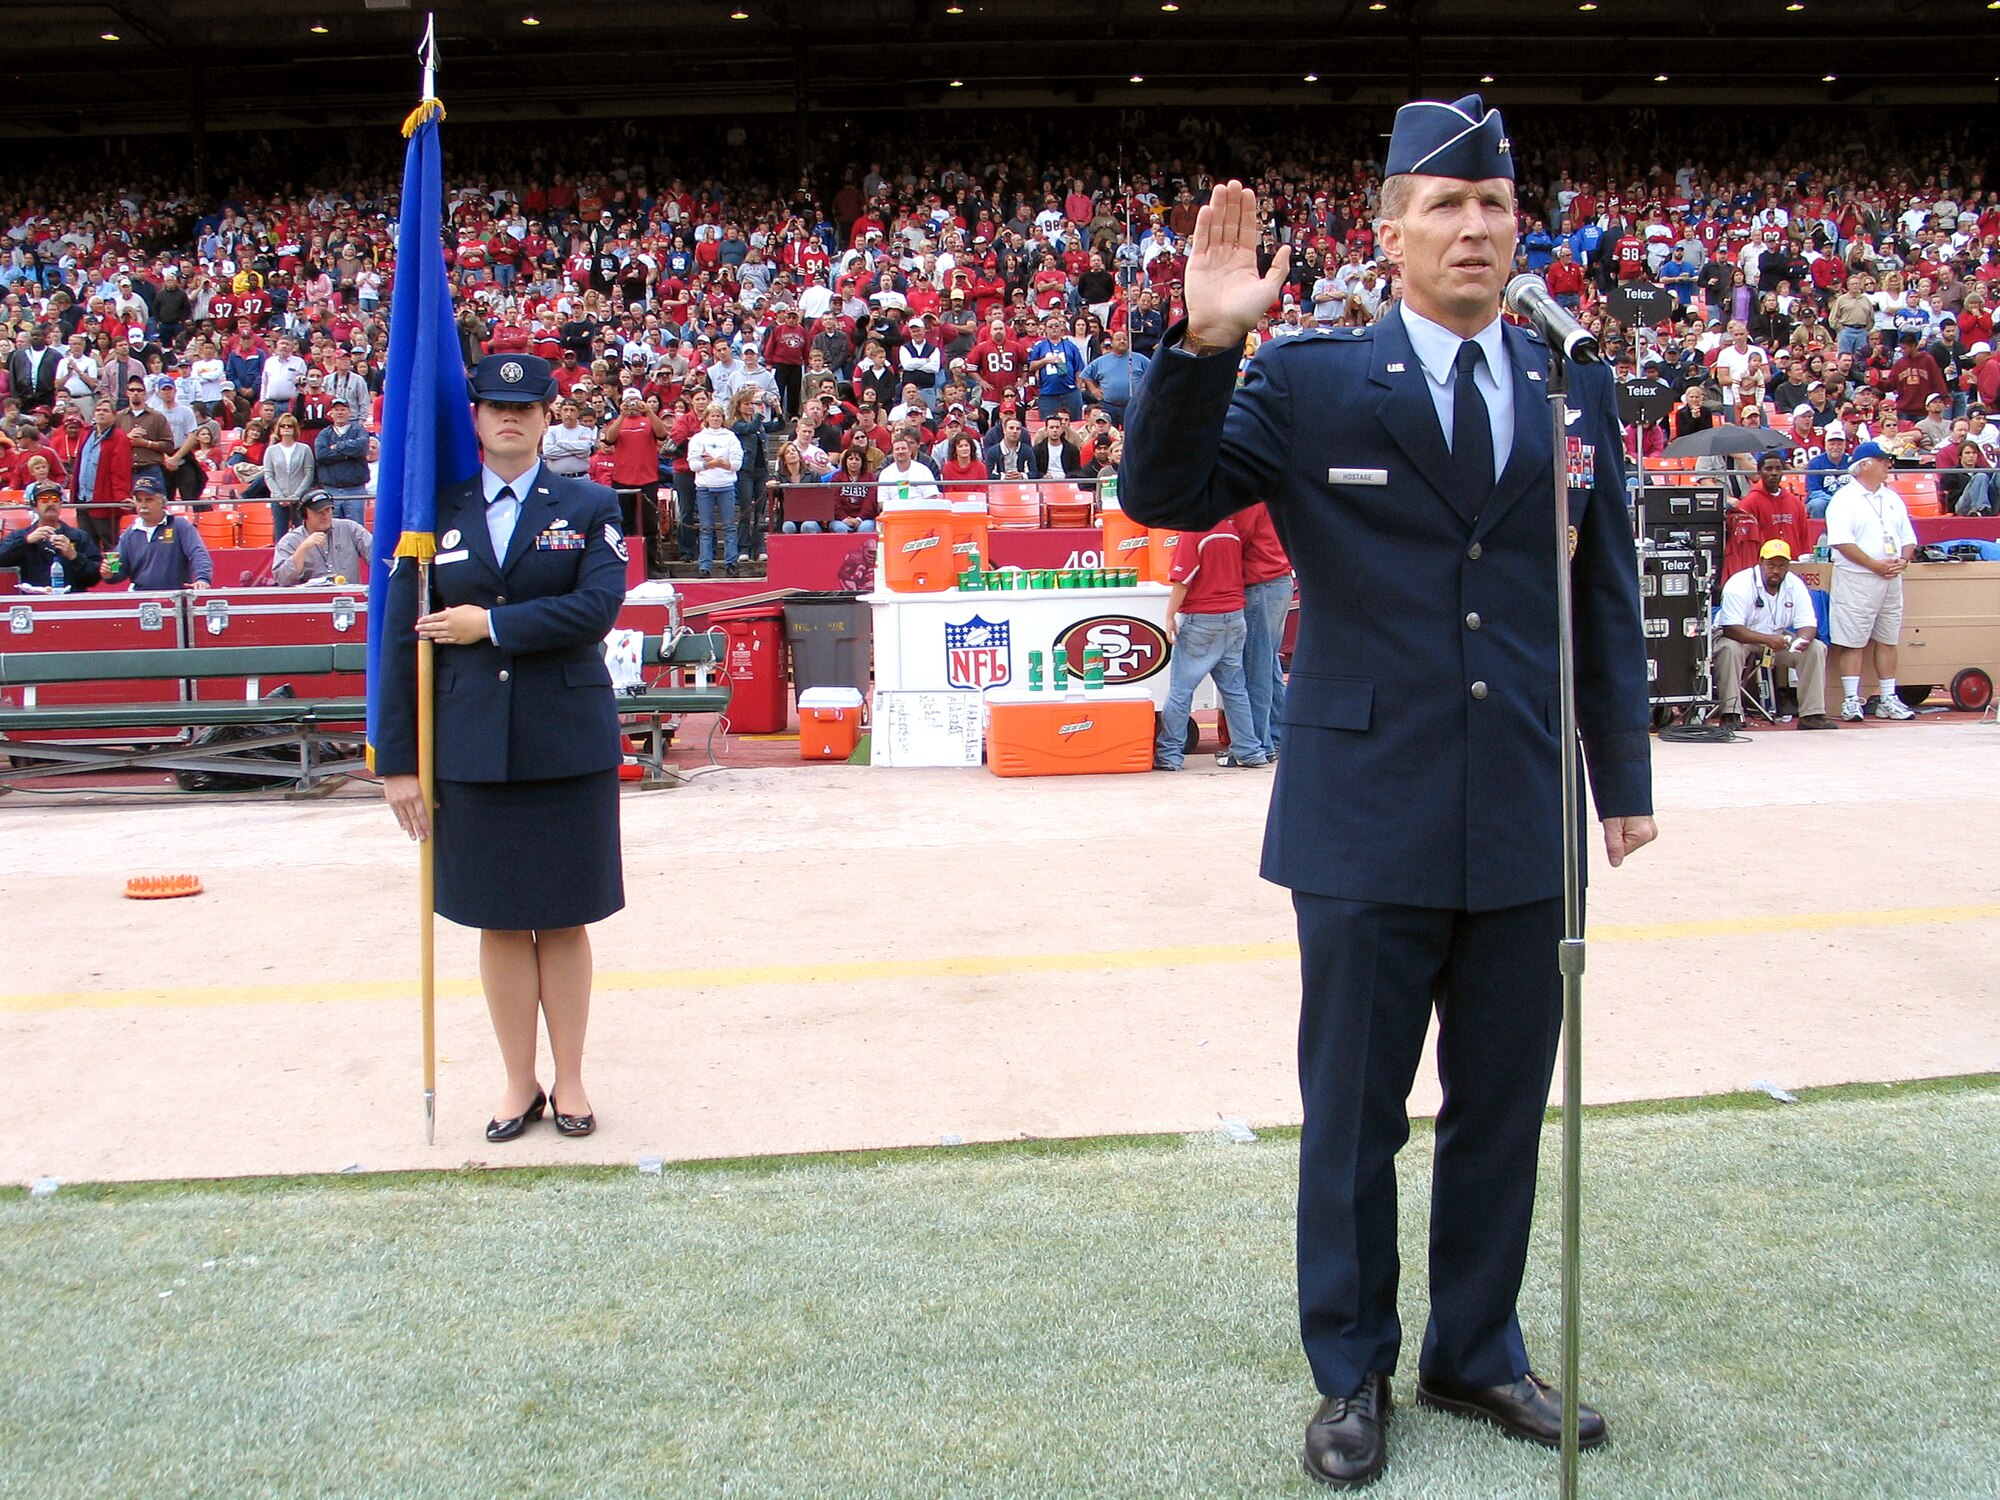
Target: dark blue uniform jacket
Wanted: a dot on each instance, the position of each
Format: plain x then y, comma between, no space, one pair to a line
539,704
1419,764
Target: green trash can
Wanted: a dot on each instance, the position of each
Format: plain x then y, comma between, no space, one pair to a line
833,641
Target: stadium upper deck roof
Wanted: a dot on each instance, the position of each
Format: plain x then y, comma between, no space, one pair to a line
75,67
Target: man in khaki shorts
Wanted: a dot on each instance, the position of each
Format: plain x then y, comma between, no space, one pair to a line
1869,533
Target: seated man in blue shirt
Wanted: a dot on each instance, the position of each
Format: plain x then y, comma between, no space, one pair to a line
1826,471
36,548
162,551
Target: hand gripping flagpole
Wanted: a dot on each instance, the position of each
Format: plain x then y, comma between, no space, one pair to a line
1570,950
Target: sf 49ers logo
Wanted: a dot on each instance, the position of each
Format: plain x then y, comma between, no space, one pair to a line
1133,649
978,653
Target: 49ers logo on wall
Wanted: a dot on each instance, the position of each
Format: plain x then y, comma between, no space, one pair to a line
1133,649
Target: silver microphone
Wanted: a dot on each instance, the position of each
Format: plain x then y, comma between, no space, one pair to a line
1528,296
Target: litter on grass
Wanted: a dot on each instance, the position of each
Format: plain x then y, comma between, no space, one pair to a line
45,1187
1764,1085
1237,1130
650,1165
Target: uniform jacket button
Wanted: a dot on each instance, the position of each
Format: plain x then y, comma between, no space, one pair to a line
1472,620
499,598
1474,551
1479,690
504,674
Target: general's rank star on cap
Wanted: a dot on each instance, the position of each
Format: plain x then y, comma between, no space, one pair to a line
1462,139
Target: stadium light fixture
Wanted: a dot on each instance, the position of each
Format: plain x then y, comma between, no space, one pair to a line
530,21
1485,77
958,83
1587,5
1795,5
318,28
1828,78
1169,7
954,10
1659,78
739,14
1378,5
1312,78
1137,78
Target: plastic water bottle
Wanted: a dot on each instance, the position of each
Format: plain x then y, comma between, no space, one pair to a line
58,579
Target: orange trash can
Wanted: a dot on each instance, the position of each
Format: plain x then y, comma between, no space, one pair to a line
917,551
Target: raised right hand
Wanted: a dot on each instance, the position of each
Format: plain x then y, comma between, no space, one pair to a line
1225,295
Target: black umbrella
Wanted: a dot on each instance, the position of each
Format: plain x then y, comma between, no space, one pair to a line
1723,439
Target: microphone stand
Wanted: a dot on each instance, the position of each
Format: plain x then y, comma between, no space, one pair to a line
1570,950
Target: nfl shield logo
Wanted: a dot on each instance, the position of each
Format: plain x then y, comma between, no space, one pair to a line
978,654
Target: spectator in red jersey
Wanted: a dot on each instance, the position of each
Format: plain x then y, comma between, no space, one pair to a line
1913,378
1267,602
1565,278
1206,628
633,439
103,480
785,348
1777,504
963,471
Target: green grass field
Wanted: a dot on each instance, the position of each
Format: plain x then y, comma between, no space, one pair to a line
1781,1301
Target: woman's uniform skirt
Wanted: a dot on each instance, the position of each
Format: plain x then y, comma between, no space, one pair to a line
529,855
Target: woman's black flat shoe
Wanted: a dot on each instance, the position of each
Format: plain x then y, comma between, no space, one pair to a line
507,1130
572,1124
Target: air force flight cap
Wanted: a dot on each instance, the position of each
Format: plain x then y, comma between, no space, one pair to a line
513,380
1464,139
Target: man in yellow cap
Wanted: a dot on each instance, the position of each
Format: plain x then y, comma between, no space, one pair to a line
1767,608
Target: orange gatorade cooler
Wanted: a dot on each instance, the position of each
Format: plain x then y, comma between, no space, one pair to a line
829,723
1048,734
1127,544
917,556
1160,548
969,525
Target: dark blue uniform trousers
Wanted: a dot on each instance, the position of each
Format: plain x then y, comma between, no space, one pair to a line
1372,973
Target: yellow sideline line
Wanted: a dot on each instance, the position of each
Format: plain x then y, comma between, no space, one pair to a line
959,966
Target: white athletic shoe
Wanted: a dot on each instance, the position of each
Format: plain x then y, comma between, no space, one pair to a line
1891,707
1850,711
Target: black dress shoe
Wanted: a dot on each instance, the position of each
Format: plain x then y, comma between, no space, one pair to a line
1345,1442
1529,1408
1732,722
1816,721
506,1130
571,1124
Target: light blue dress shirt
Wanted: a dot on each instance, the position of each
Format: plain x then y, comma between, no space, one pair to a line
500,518
1436,348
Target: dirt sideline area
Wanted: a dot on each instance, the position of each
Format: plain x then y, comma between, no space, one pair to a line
824,958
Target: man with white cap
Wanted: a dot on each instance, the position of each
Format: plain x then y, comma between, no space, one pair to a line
1869,532
1417,815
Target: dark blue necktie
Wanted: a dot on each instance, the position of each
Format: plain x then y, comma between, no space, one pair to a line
1471,432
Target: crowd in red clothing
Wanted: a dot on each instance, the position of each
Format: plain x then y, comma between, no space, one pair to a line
949,290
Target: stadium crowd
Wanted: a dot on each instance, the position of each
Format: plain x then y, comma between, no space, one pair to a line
950,315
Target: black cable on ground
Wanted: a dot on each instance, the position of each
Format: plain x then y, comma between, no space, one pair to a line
1701,734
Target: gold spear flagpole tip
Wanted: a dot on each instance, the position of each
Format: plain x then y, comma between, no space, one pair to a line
429,109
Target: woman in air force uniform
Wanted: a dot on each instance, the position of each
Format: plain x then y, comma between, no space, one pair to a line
528,578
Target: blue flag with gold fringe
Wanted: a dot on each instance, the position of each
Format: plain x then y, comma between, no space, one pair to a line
427,438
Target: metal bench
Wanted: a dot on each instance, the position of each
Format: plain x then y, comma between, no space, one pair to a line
312,726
